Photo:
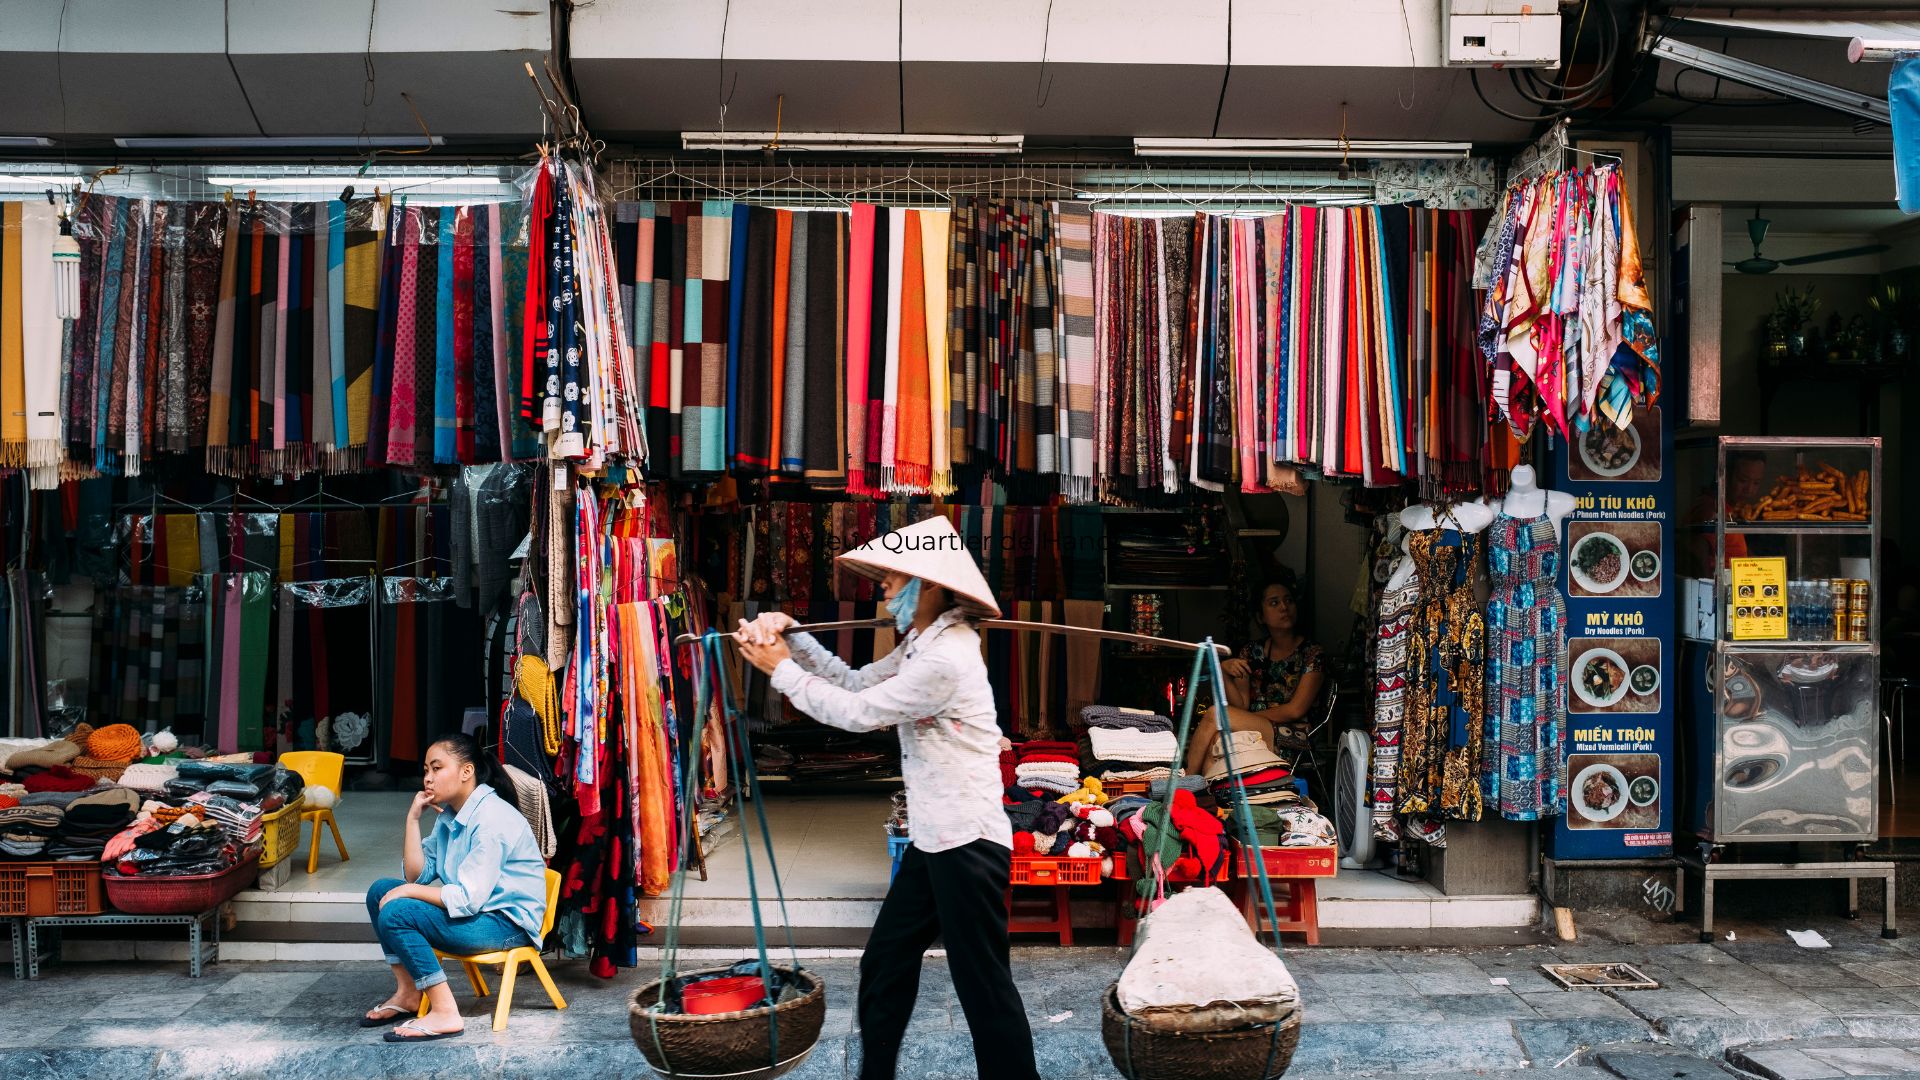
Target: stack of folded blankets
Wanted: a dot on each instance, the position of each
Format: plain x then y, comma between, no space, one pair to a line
25,830
1128,744
1297,823
91,821
1264,777
1046,767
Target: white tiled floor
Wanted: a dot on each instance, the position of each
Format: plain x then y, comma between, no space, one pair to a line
827,846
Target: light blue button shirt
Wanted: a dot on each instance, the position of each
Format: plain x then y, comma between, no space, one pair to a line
485,859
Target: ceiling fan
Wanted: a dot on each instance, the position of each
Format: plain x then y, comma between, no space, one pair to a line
1759,264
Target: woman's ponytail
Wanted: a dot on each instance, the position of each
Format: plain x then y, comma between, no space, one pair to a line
466,749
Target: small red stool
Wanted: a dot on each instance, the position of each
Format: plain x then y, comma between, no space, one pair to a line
1294,870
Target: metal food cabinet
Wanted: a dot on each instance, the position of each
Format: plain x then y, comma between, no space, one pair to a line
1783,732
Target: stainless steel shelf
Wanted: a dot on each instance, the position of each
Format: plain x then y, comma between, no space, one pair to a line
1871,648
1815,528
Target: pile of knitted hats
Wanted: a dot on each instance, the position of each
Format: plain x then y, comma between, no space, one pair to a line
47,768
109,750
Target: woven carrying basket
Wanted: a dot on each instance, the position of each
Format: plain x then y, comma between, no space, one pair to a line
1142,1053
732,1044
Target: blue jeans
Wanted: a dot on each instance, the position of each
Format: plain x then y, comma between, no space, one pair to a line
410,930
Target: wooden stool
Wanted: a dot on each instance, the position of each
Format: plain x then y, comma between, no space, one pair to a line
1295,870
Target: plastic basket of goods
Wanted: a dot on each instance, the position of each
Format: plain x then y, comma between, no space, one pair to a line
1201,999
179,894
761,1041
1047,870
280,833
35,889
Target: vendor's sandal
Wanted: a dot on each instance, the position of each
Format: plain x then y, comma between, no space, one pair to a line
424,1035
389,1013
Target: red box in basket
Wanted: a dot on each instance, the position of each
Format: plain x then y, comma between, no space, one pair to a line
183,894
1291,862
731,994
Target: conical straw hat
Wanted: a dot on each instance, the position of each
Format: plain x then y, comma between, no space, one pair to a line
933,552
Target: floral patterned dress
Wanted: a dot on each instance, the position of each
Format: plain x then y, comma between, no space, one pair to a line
1441,756
1524,772
1273,682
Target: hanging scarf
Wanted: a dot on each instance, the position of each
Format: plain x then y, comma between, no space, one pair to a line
825,443
1074,318
859,334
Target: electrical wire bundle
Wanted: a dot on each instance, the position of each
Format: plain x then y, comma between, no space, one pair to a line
1563,99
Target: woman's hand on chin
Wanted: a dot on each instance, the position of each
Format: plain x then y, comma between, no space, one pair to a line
421,800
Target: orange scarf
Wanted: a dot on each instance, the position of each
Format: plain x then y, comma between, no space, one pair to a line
913,441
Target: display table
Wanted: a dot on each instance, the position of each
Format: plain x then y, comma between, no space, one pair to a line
202,949
1292,874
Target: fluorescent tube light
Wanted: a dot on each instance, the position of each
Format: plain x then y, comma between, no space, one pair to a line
59,180
1229,197
1773,80
1299,148
30,142
855,142
280,142
320,181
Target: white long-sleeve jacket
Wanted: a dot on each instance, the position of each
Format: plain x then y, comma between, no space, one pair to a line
934,689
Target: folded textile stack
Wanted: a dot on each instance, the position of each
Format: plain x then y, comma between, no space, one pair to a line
26,830
181,849
1298,824
1042,765
91,821
22,763
240,819
149,778
58,778
1125,748
1110,716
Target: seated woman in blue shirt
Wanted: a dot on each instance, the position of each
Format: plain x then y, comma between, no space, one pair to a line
477,884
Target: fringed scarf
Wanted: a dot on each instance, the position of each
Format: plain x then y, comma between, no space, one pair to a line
859,292
1074,319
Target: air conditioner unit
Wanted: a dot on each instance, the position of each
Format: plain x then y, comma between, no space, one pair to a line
1500,33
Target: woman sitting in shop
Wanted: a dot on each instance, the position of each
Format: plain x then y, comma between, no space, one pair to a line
1274,681
952,881
477,884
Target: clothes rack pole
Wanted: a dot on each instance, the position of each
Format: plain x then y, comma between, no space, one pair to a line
995,624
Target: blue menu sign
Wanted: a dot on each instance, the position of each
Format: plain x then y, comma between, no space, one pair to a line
1621,678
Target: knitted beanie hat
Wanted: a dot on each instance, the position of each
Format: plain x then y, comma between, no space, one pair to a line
115,742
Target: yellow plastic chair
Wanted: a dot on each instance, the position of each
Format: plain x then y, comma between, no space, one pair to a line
510,961
319,769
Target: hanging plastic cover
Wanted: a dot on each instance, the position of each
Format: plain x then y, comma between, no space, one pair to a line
1903,97
330,592
415,590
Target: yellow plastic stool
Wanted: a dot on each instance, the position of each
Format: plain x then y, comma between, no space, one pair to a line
510,961
319,769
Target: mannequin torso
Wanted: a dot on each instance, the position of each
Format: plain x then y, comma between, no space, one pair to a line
1526,500
1469,517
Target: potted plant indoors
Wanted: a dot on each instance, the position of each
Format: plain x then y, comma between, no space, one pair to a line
1795,308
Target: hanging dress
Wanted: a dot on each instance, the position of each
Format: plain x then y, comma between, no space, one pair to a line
1524,772
1446,681
1390,702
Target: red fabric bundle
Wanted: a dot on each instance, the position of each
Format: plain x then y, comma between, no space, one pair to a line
58,778
8,802
1065,759
1023,843
1269,775
1006,768
1043,746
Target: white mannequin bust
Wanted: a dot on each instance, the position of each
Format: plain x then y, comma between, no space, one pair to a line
1469,517
1402,571
1526,499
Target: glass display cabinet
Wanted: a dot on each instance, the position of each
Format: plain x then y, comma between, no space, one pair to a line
1785,724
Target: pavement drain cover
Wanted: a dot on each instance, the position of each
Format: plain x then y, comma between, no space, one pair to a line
1600,977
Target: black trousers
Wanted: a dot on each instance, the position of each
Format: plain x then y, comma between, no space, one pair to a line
959,896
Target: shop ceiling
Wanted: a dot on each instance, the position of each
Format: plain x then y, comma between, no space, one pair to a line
1067,75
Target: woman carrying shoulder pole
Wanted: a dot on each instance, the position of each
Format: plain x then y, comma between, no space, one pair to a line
952,883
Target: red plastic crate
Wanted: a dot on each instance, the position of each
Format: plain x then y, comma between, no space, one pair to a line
184,894
34,889
1047,870
1293,862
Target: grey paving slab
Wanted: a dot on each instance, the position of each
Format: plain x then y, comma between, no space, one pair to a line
1554,1042
1803,975
1391,1046
1644,1065
1767,999
1854,1001
1711,1036
1885,972
1869,1060
1682,1001
1481,1006
1576,1004
1784,1063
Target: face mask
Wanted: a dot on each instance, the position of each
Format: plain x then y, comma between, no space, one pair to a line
904,604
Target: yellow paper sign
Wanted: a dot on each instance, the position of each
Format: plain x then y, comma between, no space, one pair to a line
1759,611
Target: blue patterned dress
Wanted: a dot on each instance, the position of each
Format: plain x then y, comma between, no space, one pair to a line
1525,767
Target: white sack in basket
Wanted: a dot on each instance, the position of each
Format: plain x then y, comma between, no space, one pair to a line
1196,967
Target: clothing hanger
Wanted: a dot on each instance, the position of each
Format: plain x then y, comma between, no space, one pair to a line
673,173
904,179
991,624
1021,176
795,179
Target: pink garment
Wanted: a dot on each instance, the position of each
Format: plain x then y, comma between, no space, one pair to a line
497,307
401,421
859,344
